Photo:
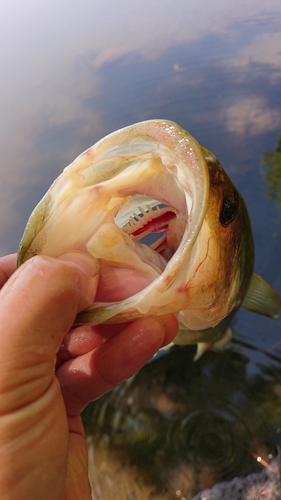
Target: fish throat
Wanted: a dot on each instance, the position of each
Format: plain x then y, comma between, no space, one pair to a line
145,234
150,226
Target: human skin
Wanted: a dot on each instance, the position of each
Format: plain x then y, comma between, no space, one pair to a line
51,371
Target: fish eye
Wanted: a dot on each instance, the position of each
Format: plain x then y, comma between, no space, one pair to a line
229,207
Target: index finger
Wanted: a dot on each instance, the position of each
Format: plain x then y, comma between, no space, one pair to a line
8,265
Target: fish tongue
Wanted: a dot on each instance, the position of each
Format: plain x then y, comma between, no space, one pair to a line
112,244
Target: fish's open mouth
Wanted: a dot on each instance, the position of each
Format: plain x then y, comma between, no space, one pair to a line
150,225
152,220
136,199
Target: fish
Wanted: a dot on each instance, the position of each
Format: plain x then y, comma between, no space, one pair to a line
149,197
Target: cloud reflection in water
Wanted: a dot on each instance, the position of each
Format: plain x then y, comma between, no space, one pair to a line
73,71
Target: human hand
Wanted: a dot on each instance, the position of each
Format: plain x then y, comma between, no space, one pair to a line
42,447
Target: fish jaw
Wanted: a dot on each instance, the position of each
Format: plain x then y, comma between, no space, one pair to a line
159,162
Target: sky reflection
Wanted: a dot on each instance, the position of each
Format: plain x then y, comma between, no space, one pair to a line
74,71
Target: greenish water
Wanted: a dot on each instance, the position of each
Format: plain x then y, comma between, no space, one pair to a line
180,426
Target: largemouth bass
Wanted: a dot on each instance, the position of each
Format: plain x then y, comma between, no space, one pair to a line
154,179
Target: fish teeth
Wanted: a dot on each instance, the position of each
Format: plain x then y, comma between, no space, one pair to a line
142,211
132,222
139,221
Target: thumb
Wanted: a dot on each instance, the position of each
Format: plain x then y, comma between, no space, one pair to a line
38,305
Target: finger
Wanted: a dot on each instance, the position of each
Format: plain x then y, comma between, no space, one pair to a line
37,307
7,267
118,283
114,284
85,338
171,328
87,377
78,341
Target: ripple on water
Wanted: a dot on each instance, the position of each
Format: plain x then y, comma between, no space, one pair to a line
178,428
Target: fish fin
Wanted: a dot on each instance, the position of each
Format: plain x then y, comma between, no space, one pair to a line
261,298
220,345
224,341
201,348
166,347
